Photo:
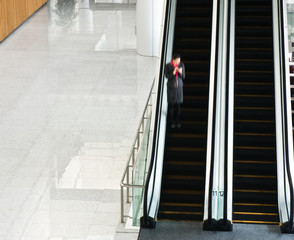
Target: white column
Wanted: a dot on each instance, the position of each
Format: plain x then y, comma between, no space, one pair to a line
149,21
158,22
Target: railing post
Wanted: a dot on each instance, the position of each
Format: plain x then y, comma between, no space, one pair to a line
131,162
122,204
143,123
138,140
128,182
133,158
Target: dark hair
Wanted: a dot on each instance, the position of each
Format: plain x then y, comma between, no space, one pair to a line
176,55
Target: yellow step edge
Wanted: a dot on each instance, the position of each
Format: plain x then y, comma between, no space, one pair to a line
195,85
193,110
254,176
254,49
195,97
254,27
182,149
178,177
254,213
182,204
196,62
196,8
254,60
191,39
261,17
254,134
185,213
196,29
197,73
252,148
178,135
254,108
255,204
196,18
253,71
192,122
184,192
184,163
255,121
254,83
253,38
256,222
255,7
175,220
193,50
258,162
254,96
254,191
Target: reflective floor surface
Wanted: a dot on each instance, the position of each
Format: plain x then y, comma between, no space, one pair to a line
72,93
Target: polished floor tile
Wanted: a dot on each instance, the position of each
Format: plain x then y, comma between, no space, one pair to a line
72,93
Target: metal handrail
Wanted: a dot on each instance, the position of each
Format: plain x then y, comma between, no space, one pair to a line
211,115
125,181
228,207
154,177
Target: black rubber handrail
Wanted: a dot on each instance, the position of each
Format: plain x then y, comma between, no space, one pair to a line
285,119
227,122
147,222
209,219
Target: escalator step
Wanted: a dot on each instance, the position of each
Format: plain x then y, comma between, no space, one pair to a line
254,53
255,140
258,113
254,126
253,32
255,196
182,183
180,216
182,207
191,127
255,182
186,140
254,154
253,21
251,100
256,216
192,21
254,167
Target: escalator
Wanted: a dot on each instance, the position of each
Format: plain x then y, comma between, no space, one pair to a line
182,192
255,177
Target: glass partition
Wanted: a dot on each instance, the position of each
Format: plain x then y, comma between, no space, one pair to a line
139,175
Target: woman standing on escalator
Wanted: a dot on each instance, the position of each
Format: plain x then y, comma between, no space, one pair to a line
175,72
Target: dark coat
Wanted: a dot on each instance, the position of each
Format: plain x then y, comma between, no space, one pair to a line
174,94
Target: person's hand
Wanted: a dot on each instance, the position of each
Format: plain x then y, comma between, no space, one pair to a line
175,71
180,70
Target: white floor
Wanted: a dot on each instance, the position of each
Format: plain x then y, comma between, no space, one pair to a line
72,91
